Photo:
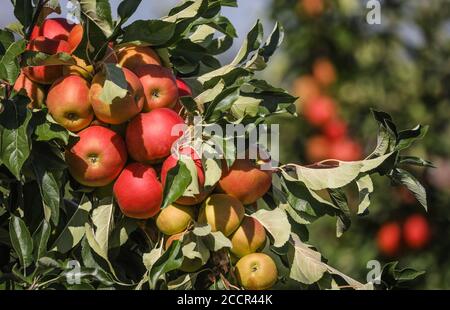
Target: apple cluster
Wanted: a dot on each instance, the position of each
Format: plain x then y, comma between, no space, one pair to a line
321,111
126,144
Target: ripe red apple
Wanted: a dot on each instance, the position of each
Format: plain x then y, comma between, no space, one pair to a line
46,74
68,102
256,271
149,135
183,91
312,8
222,212
317,148
174,219
320,110
245,180
134,57
34,91
171,162
97,158
345,149
389,238
248,238
335,129
160,87
121,109
324,72
307,88
416,231
59,29
138,191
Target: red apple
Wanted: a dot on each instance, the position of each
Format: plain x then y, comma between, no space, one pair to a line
97,158
335,129
46,74
160,87
183,91
345,149
138,191
416,231
317,148
121,109
59,29
149,135
324,72
34,91
319,111
171,162
245,181
389,238
68,102
306,88
133,57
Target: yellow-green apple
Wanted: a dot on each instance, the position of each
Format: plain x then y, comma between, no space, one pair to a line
245,180
174,219
171,162
150,136
46,74
160,87
121,109
33,90
97,158
222,212
133,57
256,271
68,102
138,191
248,238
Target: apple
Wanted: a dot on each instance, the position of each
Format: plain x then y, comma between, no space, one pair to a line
59,29
416,231
389,238
160,87
133,57
183,91
46,74
222,212
307,88
97,158
121,109
256,271
82,68
245,181
320,110
311,8
68,102
345,149
317,148
149,135
171,162
324,72
188,264
33,90
174,219
138,192
248,238
335,129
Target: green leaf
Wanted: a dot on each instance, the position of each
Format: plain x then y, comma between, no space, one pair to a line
416,161
126,9
407,179
103,219
183,282
47,131
40,240
170,260
9,64
177,181
189,11
33,59
276,223
343,216
21,240
149,32
115,85
121,232
407,137
99,12
6,39
15,140
250,44
365,188
74,230
23,10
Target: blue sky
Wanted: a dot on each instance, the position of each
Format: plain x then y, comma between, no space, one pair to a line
243,17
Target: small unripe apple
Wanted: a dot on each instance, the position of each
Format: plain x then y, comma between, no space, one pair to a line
389,238
121,109
160,87
150,137
256,271
245,180
174,219
248,238
134,57
138,192
416,231
68,102
222,212
97,158
34,91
